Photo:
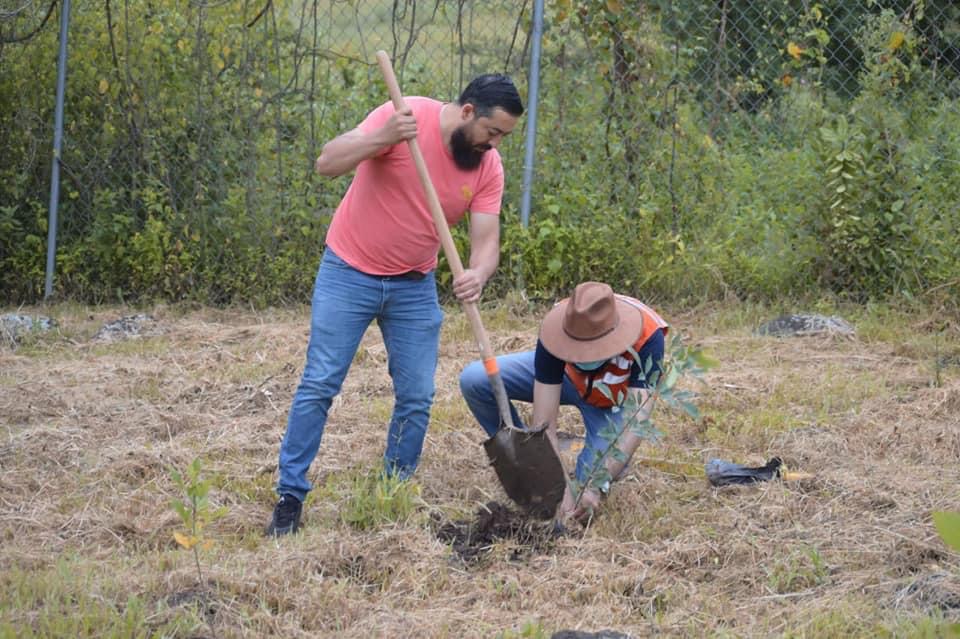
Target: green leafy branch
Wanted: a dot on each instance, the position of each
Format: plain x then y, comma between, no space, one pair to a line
681,362
806,45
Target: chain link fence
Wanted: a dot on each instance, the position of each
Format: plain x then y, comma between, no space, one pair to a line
754,146
191,127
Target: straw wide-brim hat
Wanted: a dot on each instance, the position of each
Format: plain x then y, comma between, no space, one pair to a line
590,325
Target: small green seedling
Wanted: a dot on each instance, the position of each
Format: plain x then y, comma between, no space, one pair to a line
195,512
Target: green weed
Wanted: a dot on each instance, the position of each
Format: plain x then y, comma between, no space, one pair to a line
505,587
529,630
375,499
933,627
799,571
849,623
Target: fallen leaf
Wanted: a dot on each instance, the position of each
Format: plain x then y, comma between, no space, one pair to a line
187,541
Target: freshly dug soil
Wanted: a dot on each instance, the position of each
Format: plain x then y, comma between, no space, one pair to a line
494,522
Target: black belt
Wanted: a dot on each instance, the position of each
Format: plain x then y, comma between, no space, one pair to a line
409,275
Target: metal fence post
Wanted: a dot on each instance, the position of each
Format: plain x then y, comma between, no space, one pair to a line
531,141
57,146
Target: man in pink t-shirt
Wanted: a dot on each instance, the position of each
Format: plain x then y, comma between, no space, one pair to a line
379,261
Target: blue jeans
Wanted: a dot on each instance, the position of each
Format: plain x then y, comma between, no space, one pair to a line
517,372
345,301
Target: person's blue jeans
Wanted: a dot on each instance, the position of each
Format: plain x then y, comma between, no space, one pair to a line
345,301
517,373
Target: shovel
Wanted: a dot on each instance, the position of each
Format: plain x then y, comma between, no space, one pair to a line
525,461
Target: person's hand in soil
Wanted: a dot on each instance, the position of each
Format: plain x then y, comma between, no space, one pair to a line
588,503
581,510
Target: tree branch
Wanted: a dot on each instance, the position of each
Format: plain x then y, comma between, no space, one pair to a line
257,17
26,37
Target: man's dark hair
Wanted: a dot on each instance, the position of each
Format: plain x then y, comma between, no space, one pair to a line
492,90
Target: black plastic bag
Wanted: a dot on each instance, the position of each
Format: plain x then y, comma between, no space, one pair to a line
724,473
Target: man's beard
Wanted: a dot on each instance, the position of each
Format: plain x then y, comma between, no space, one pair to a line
466,155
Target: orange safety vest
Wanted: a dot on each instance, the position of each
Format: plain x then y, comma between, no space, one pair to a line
615,373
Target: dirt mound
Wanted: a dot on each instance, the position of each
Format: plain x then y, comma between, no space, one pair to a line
494,522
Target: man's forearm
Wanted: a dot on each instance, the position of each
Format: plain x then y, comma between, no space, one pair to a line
546,408
343,153
628,444
638,410
484,244
485,261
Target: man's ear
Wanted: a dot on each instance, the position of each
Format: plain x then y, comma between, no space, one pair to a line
467,112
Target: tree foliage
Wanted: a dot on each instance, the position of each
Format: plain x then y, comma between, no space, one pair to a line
686,149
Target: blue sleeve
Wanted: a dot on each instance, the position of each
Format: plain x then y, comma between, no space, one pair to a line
547,369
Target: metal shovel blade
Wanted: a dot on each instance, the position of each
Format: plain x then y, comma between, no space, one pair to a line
528,468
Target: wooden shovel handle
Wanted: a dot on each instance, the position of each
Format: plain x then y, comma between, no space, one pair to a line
449,248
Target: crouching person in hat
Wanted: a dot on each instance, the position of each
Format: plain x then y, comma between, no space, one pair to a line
584,340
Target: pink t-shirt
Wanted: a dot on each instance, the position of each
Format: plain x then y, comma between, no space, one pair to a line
383,225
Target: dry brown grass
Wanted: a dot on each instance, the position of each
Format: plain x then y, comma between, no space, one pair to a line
90,429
